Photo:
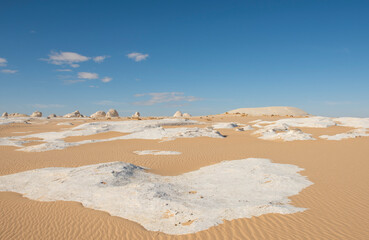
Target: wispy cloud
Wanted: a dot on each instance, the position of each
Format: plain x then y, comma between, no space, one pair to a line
109,103
88,75
165,97
3,62
63,70
73,81
37,105
99,59
93,86
9,71
66,58
106,79
137,56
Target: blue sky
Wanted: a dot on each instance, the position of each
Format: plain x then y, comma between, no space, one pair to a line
201,57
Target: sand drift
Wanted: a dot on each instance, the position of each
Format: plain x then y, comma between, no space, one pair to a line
182,204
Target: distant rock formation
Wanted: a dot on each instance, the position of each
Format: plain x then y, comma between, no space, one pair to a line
112,113
186,115
136,115
52,116
74,114
98,114
36,114
5,114
18,115
270,111
177,114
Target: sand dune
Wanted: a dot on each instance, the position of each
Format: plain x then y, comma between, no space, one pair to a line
268,111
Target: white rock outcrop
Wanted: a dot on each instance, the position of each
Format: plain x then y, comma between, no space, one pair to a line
186,115
52,115
74,114
178,114
98,114
5,114
136,115
36,114
112,113
18,115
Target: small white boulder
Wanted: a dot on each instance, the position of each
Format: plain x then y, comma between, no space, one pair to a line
186,115
36,114
74,114
136,115
177,114
5,114
98,114
112,113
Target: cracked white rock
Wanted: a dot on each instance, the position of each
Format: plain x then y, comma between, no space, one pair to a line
203,198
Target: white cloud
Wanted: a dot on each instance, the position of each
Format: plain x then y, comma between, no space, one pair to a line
3,62
88,75
66,58
63,70
73,81
9,71
74,65
106,79
165,97
47,105
137,56
99,59
93,86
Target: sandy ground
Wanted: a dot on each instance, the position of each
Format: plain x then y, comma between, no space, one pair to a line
337,202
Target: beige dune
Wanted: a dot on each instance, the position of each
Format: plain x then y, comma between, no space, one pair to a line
336,202
277,111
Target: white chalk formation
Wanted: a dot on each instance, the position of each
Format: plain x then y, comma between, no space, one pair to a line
36,114
112,113
5,114
53,115
145,129
156,152
361,132
186,115
98,114
136,115
224,125
177,114
187,203
75,114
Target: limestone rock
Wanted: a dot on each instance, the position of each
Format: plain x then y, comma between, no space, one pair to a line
36,114
18,115
52,116
112,113
74,114
177,114
186,115
5,114
136,115
98,114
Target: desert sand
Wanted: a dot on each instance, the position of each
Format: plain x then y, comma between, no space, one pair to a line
336,202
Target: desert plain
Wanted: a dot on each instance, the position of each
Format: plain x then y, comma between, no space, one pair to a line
333,205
